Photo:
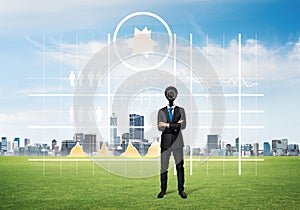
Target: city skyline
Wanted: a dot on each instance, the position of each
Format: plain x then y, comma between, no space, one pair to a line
132,128
46,58
91,146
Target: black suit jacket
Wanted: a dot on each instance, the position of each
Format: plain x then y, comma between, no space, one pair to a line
172,136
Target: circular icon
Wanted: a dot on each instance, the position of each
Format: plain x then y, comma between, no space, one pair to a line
162,21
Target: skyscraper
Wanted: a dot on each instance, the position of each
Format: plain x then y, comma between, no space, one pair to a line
89,143
9,146
274,145
17,139
78,137
237,144
66,146
15,146
255,149
113,129
54,143
26,142
117,141
212,143
267,149
285,145
4,144
125,141
136,129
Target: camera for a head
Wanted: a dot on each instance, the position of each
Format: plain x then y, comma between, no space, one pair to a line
171,94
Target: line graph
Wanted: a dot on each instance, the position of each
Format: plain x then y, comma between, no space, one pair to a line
235,82
230,81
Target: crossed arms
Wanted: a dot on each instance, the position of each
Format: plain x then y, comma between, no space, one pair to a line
162,122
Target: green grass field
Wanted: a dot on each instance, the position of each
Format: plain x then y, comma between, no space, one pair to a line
272,184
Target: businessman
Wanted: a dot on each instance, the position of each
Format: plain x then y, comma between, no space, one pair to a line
171,120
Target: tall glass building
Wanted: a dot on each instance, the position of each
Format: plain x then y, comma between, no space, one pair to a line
267,149
89,143
212,143
26,142
17,139
54,143
4,144
113,130
136,129
255,149
78,137
237,144
66,146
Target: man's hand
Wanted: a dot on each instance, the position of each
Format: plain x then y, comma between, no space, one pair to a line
162,124
180,121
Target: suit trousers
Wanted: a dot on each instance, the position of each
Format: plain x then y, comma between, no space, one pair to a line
164,161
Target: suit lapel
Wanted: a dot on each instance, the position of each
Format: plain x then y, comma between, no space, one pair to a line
176,113
167,114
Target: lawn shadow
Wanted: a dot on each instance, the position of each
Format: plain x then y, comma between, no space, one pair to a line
170,191
190,191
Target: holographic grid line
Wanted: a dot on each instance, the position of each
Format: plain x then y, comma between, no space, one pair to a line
43,115
108,96
137,159
240,101
199,111
191,91
60,98
175,78
93,168
148,95
239,95
223,93
256,101
199,126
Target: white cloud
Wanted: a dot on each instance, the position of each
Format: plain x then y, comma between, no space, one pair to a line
257,60
16,118
75,55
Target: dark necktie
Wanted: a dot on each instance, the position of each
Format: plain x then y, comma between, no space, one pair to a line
170,113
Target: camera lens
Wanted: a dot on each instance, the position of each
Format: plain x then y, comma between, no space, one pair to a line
171,94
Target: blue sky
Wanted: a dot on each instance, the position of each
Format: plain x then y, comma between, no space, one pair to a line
275,24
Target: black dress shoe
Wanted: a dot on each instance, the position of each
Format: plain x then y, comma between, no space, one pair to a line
182,194
161,194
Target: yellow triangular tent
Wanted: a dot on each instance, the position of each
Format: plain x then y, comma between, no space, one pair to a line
103,151
77,151
154,150
131,151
